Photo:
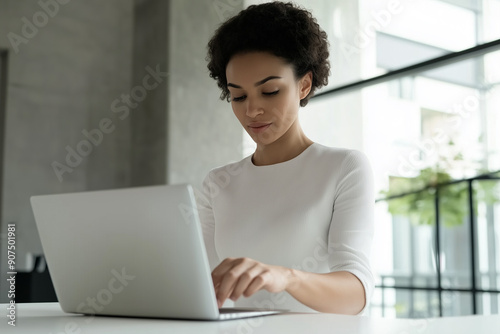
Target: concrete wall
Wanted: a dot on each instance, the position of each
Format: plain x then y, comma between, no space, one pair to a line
62,79
148,147
182,129
202,130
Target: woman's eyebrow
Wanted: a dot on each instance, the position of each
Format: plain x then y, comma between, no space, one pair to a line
258,83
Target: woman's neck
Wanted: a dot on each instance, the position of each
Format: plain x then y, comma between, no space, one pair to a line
287,147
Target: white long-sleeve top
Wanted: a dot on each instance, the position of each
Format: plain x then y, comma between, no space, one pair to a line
314,213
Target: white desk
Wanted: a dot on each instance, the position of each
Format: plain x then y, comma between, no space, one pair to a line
48,318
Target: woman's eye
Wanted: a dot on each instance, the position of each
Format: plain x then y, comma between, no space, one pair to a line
241,98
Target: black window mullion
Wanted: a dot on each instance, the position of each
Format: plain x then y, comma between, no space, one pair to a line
430,64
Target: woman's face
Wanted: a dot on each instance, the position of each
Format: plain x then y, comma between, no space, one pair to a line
265,96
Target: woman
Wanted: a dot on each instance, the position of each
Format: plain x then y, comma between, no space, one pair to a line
289,227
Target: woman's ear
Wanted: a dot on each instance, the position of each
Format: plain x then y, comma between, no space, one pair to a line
305,85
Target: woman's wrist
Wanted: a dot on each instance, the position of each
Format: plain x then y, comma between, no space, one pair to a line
294,279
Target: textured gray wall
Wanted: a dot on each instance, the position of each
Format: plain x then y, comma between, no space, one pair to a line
202,130
62,80
182,129
149,120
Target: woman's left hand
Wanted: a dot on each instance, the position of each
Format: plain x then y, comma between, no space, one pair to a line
234,277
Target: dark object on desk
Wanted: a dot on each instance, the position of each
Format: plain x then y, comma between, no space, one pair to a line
35,286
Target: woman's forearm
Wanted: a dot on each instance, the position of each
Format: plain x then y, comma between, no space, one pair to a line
338,292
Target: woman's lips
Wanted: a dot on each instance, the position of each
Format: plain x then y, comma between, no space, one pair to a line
259,127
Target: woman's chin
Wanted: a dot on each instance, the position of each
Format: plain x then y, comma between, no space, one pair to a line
263,142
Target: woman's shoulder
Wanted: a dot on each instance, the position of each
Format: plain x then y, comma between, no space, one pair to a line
339,155
229,170
338,163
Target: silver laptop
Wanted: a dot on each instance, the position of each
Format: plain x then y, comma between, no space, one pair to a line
130,252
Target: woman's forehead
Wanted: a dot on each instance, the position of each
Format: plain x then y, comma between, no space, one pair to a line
256,66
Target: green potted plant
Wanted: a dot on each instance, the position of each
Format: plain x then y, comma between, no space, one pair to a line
415,197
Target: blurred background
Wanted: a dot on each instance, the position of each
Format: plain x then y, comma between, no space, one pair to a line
115,93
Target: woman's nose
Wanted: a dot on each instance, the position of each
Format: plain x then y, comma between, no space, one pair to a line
253,108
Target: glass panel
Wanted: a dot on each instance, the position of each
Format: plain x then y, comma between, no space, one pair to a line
491,97
400,303
457,303
422,247
386,38
488,234
488,303
376,309
383,252
423,304
417,127
404,252
455,237
457,32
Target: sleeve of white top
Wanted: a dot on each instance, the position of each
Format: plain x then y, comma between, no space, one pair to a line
207,220
351,228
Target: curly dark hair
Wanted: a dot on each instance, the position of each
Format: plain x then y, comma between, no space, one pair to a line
282,29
